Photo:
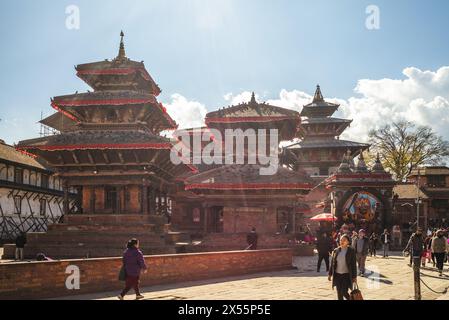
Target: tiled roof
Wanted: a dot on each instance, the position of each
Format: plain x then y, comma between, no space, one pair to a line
252,109
408,191
249,174
59,122
9,153
329,143
325,120
97,137
104,96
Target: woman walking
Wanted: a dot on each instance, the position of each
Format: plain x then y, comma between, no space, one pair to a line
439,248
343,270
134,263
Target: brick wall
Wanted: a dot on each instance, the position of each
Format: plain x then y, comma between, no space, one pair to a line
99,199
36,280
133,206
87,196
237,241
243,219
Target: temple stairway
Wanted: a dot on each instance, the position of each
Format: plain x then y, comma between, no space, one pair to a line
92,236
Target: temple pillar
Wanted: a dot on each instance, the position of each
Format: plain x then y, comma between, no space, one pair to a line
152,201
66,198
206,218
164,203
294,220
145,207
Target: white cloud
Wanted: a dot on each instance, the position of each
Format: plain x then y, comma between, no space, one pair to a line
421,97
242,97
187,114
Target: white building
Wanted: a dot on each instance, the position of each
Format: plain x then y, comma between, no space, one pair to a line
31,197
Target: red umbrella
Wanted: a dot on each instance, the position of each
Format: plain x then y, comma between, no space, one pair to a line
323,217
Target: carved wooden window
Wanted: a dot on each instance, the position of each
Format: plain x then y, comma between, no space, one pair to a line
18,175
196,215
45,181
110,198
43,207
436,181
17,204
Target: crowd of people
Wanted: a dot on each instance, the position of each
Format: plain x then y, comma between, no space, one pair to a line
345,252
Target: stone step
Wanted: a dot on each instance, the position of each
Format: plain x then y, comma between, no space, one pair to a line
66,252
73,234
97,228
174,237
98,241
114,219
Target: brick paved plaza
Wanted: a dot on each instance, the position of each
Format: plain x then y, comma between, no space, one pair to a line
392,280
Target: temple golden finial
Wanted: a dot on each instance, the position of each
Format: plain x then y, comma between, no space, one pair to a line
121,52
253,98
318,97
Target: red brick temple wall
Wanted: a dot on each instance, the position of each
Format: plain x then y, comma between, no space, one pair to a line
99,198
238,220
37,280
133,205
87,196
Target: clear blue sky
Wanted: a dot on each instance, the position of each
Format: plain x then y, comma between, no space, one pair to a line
204,49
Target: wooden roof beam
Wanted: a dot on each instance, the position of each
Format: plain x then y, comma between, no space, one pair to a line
120,156
91,158
75,157
104,153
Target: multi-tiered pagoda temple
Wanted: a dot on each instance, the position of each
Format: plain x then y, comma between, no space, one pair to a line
109,142
109,147
320,150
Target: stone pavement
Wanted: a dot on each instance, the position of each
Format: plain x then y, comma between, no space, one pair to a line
388,279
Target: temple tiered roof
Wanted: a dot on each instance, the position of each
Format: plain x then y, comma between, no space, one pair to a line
117,74
248,177
115,128
256,115
319,107
320,147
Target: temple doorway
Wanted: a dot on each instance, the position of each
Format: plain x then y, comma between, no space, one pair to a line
216,220
111,197
284,219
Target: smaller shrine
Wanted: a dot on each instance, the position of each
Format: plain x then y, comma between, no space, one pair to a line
361,197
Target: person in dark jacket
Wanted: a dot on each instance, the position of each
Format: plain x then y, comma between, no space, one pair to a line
373,241
251,239
324,247
134,263
343,269
361,246
385,239
415,246
21,241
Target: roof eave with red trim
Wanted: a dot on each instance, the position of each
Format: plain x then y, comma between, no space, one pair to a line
248,186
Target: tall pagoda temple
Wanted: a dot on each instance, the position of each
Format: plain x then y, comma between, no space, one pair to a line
109,143
109,147
320,150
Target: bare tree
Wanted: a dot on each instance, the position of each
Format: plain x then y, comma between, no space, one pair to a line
403,146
